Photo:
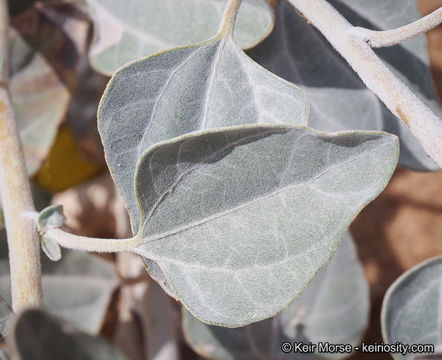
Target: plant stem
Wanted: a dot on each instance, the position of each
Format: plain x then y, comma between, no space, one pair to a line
396,36
23,239
399,99
71,241
229,17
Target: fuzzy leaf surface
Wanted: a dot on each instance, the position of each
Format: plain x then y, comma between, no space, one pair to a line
208,85
122,35
411,310
334,308
241,219
340,101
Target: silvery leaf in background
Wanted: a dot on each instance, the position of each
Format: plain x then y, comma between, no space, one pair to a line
411,310
299,53
77,288
126,31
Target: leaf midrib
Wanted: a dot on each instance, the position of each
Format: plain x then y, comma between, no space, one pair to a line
160,95
234,209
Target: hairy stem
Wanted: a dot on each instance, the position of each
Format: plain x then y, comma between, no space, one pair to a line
400,100
229,17
71,241
23,239
396,36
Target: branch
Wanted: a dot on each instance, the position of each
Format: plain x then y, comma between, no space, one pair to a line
399,99
77,242
23,239
395,36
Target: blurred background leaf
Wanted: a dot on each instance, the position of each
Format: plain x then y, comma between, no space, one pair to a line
47,42
66,164
77,288
411,310
298,52
36,335
122,35
5,314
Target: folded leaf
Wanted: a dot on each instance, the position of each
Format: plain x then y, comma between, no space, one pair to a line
334,308
241,219
122,35
297,52
411,310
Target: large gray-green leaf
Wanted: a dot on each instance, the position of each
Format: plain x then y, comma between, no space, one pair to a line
297,52
208,85
129,31
412,307
78,287
334,308
241,219
38,336
47,42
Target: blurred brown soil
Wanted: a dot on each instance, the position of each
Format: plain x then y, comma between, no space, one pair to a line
403,226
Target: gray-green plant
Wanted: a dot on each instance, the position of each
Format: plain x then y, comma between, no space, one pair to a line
411,310
333,308
235,203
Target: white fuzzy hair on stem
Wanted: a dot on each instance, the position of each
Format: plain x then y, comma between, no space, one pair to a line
392,37
22,234
352,44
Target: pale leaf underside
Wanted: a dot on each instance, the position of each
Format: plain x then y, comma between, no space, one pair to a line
333,308
241,219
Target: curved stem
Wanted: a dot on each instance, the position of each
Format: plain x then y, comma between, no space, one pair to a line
22,234
77,242
399,99
229,17
395,36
